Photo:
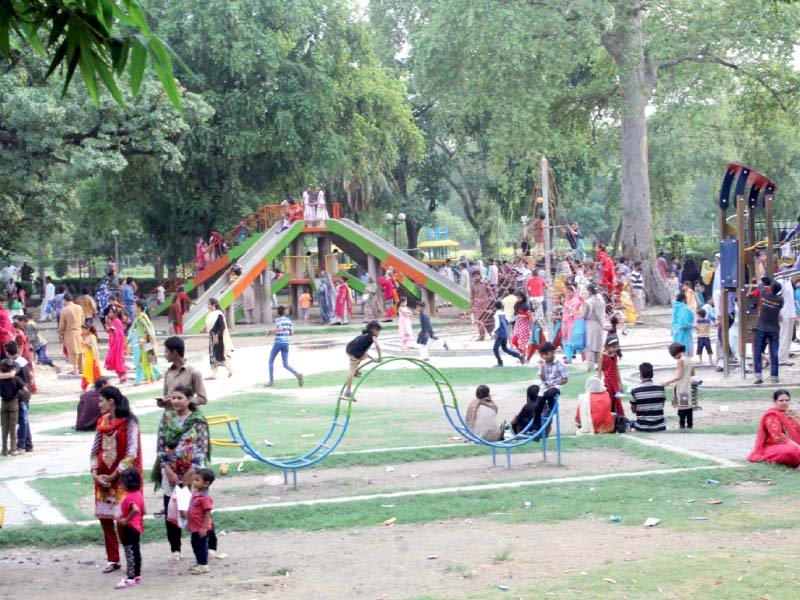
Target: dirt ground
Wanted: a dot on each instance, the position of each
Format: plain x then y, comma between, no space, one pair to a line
326,483
447,559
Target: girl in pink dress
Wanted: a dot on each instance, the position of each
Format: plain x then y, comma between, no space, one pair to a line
404,324
115,359
200,255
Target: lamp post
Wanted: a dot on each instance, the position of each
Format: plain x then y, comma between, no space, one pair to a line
394,222
115,235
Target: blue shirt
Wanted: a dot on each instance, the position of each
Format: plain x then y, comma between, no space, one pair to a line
283,329
127,295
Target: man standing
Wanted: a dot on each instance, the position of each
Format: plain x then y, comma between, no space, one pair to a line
181,373
69,328
87,303
482,299
282,330
129,295
767,331
594,311
49,296
788,318
26,272
494,272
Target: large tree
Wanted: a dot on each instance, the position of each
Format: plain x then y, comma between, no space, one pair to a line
545,70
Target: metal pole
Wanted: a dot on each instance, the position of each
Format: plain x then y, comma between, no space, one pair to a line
722,309
740,291
546,207
768,206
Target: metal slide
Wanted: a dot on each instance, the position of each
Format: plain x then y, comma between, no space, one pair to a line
253,263
416,270
343,412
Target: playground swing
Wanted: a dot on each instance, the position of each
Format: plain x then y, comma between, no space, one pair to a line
343,412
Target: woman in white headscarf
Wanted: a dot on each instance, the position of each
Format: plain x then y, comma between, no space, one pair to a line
220,346
597,404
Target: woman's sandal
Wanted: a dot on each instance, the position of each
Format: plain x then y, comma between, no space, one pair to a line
111,567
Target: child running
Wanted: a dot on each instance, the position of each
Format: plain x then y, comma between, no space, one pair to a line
131,526
357,351
426,339
282,330
200,522
500,334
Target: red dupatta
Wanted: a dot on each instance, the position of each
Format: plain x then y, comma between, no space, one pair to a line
791,429
114,445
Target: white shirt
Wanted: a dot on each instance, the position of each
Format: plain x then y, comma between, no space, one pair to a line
493,270
321,197
306,198
787,293
161,294
49,292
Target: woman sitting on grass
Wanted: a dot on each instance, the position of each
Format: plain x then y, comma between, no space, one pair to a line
778,438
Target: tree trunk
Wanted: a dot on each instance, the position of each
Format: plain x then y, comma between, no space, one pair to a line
638,242
158,269
412,233
485,237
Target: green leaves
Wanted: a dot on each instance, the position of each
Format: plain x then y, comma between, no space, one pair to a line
97,35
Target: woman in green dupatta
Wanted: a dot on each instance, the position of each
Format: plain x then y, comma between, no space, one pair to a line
183,446
143,342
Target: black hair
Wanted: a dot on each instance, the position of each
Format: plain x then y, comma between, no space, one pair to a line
215,303
374,326
11,348
646,370
175,344
775,288
7,365
85,291
498,305
482,391
547,347
206,475
67,297
185,390
611,341
131,479
122,408
129,280
701,312
100,382
141,304
675,349
281,311
778,393
680,297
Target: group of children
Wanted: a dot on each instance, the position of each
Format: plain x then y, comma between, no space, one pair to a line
131,523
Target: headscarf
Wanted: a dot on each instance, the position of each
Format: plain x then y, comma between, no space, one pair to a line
173,431
707,272
789,423
472,412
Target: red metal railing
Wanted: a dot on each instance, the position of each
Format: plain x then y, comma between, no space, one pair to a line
256,222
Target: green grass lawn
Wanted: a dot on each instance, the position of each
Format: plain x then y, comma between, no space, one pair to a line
634,499
708,575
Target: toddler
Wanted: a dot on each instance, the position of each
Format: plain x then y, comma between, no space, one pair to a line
200,523
131,525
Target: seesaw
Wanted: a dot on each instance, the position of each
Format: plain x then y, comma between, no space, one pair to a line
344,410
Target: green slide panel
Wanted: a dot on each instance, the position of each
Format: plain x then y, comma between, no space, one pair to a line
412,287
354,237
353,282
162,308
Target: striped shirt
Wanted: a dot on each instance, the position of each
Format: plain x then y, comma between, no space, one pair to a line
637,281
647,400
283,329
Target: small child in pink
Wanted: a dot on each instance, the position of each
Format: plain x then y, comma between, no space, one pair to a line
131,526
